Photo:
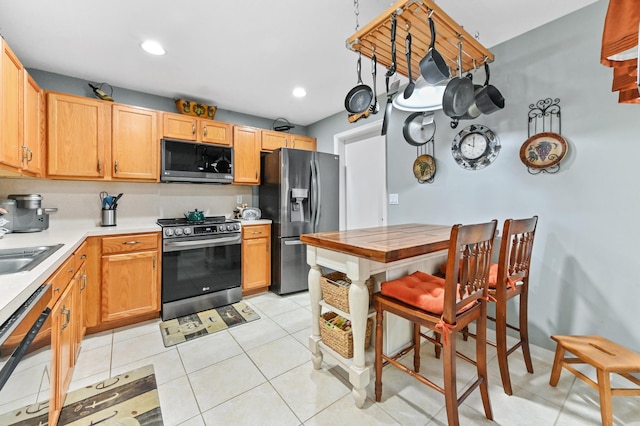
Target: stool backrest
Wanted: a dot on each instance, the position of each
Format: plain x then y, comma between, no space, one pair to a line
469,258
515,251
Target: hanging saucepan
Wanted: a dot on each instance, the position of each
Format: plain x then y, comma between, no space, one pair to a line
419,128
459,93
359,98
489,99
473,111
433,67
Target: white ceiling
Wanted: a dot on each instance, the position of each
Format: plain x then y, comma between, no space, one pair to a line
241,56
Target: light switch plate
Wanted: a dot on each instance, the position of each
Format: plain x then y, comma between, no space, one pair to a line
239,199
393,199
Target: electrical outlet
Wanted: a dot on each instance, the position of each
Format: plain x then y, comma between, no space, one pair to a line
393,199
239,199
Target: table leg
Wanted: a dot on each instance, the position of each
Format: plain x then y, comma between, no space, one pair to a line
315,294
358,309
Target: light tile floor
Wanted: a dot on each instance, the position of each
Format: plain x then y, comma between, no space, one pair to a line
260,373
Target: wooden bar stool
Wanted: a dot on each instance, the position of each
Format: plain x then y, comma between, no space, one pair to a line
444,306
607,357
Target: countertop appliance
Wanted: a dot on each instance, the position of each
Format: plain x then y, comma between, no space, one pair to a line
299,193
196,162
25,358
201,265
25,213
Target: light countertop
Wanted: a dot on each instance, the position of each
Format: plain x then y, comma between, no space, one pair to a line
16,288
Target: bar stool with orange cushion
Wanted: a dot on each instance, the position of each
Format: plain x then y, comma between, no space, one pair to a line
444,306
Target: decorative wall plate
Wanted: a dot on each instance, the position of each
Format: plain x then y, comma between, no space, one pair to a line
543,150
424,168
475,147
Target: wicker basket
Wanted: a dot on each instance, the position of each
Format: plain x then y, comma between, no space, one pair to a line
337,294
339,340
196,109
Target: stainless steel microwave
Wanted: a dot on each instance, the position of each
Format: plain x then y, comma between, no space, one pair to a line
196,162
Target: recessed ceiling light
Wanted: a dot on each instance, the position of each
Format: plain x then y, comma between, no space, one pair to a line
299,92
153,47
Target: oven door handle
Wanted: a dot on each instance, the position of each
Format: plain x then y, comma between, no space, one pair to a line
178,245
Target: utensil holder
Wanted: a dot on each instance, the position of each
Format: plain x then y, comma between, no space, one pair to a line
108,217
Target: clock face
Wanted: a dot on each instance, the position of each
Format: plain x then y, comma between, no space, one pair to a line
475,147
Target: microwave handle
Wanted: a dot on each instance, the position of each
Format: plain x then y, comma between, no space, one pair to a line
21,350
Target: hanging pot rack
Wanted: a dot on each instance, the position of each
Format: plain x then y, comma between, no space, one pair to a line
413,14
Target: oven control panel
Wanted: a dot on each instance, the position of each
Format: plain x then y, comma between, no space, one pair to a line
224,228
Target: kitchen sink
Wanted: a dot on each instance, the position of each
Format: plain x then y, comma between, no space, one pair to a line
24,259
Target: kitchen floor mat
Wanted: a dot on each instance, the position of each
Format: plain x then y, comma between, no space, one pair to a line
126,399
192,326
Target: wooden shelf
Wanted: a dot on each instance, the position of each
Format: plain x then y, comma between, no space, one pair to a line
413,14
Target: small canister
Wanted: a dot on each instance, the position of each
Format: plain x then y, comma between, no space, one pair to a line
108,217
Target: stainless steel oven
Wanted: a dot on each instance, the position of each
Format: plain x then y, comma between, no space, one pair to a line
25,361
201,265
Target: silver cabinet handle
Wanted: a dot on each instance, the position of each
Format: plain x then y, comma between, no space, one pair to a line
67,313
193,129
115,166
99,166
205,131
131,242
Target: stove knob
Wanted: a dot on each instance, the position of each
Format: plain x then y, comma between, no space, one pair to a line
236,226
187,231
168,232
178,231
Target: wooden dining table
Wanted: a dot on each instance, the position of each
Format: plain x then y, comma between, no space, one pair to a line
382,253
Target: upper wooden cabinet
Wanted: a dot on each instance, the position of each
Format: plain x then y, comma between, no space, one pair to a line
33,145
303,142
94,139
272,140
11,109
135,145
185,127
78,134
246,155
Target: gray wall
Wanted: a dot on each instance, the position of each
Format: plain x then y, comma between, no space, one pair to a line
75,86
583,279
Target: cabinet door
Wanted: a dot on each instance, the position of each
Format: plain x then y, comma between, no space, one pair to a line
135,145
246,155
179,126
80,290
303,142
130,285
273,140
11,108
215,132
62,342
256,257
32,149
79,131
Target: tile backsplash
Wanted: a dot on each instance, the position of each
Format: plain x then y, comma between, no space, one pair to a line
79,200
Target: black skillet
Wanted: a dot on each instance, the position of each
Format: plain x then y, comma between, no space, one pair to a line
359,98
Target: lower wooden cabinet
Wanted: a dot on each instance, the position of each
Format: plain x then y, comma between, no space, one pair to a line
256,258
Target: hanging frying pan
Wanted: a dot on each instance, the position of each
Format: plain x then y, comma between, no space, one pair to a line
459,93
419,128
359,98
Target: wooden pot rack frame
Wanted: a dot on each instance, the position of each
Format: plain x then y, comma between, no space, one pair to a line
412,15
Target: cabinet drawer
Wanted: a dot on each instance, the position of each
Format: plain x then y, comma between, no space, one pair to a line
80,255
255,231
61,279
129,243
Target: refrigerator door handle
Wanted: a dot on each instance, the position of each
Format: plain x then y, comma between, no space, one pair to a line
293,243
318,192
314,194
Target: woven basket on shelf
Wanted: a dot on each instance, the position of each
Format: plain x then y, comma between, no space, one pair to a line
339,340
338,295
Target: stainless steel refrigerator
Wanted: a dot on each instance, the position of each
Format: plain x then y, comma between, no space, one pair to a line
299,193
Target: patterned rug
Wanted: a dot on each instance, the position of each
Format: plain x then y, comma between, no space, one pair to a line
126,399
192,326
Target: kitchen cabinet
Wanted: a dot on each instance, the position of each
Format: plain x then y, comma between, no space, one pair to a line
81,280
185,127
246,155
64,321
256,258
130,276
135,145
32,150
78,134
11,108
272,140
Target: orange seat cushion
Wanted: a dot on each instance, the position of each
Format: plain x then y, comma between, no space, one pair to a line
421,290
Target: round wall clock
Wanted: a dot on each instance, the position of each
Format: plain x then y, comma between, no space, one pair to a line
475,147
